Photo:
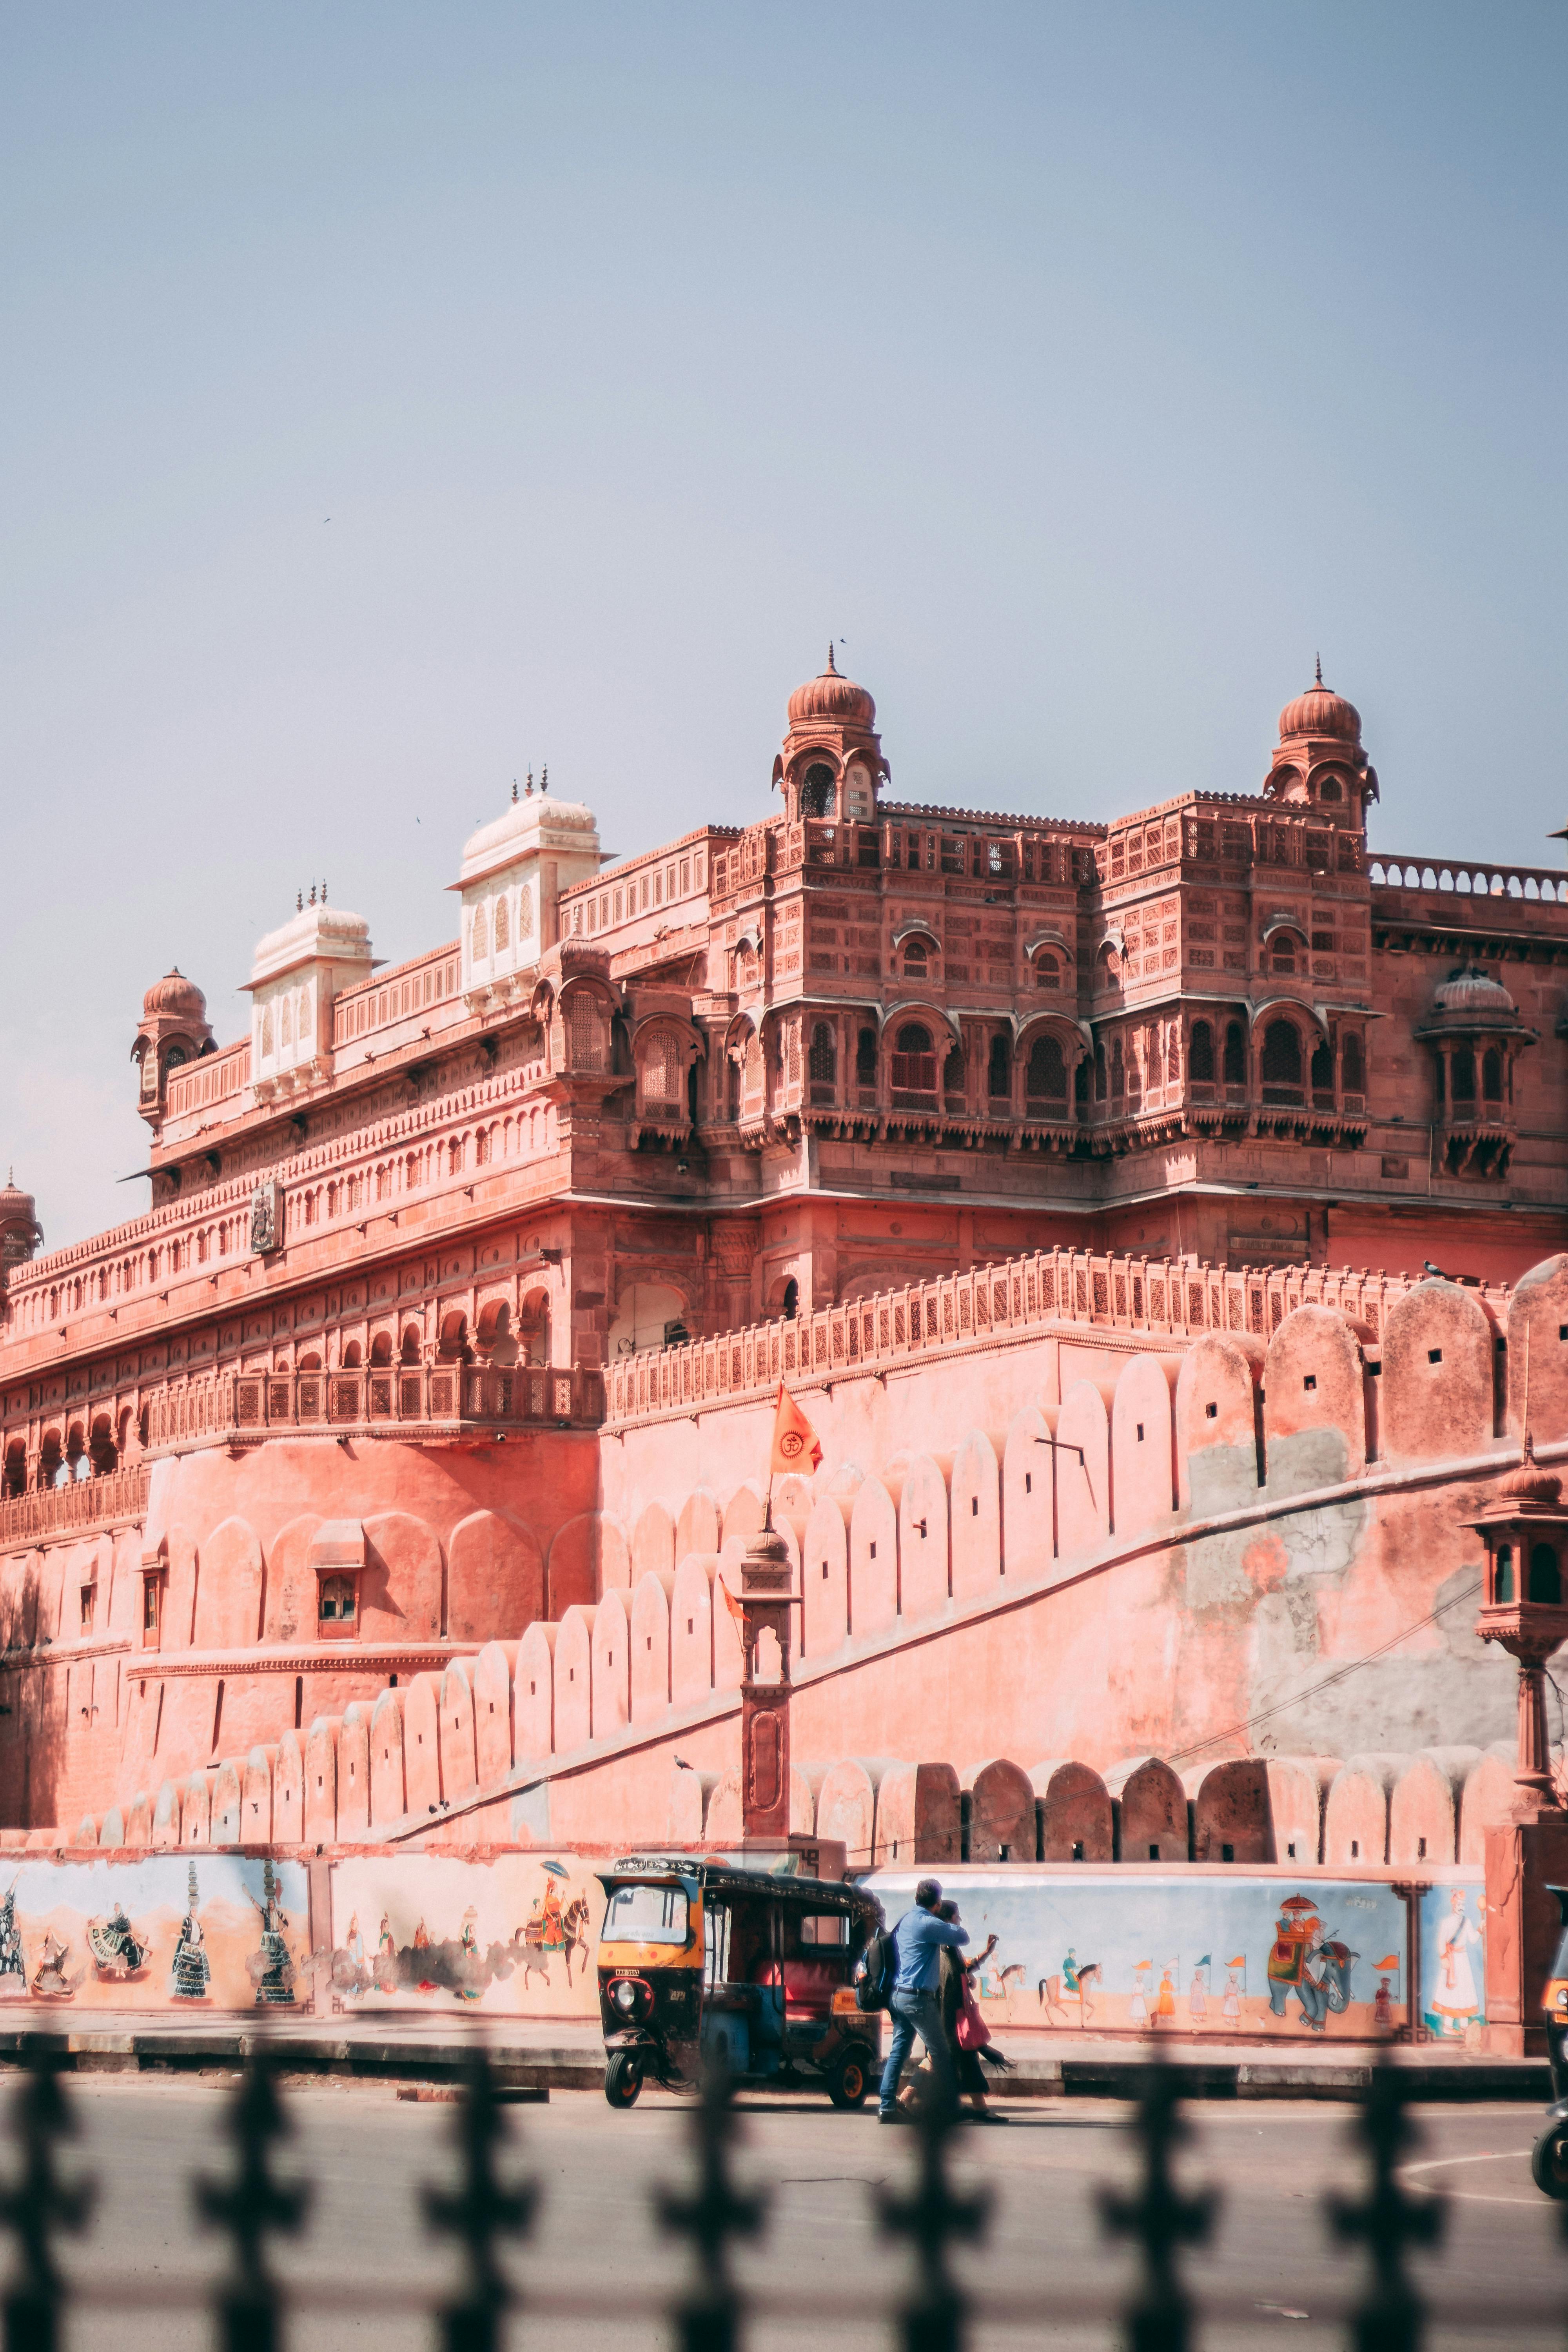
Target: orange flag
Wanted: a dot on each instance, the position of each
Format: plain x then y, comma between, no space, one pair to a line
794,1440
731,1604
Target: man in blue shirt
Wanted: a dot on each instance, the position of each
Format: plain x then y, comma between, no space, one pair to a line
918,1940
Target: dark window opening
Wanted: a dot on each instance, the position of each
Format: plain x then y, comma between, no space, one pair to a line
1545,1576
865,1058
999,1070
1234,1055
816,793
1464,1076
1200,1053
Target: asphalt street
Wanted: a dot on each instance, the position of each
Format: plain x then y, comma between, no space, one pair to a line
599,2273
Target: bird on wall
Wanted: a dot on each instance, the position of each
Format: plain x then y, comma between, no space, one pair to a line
1435,1271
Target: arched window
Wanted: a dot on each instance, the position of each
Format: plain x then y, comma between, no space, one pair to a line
1282,952
822,1060
504,926
1282,1062
482,946
337,1598
1048,970
1464,1070
791,1302
1322,1075
659,1052
915,955
914,1063
999,1069
816,793
1330,789
865,1058
1234,1055
1352,1065
1200,1053
1046,1079
351,1358
1502,1583
1491,1075
1545,1576
381,1349
1173,1058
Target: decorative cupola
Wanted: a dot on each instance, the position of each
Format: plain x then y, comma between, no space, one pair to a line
1319,761
1476,1036
831,768
172,1030
297,972
514,873
1524,1528
20,1232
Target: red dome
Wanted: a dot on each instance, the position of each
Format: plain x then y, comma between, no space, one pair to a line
1527,1483
830,697
1319,711
176,995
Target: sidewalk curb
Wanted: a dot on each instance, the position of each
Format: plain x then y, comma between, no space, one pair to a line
541,2067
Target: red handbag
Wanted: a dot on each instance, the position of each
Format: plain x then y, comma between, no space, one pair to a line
970,2029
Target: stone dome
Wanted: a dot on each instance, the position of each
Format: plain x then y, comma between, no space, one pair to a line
1473,994
14,1202
175,997
1319,711
1527,1482
828,695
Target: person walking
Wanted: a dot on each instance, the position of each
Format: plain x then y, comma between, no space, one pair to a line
919,1939
954,1994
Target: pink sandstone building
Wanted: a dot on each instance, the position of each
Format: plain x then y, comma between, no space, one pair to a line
1154,1218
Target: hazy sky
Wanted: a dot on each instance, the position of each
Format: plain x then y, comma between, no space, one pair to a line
1086,369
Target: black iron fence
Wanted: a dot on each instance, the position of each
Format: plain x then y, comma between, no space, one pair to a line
492,2204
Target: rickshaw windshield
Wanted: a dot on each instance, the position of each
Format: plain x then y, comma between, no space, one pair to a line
646,1915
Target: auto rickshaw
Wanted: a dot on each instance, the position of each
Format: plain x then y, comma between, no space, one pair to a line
701,1961
1549,2159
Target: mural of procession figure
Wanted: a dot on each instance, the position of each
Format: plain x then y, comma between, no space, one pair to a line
13,1966
119,1954
350,1973
1454,2002
1300,1941
50,1981
385,1958
193,1970
271,1969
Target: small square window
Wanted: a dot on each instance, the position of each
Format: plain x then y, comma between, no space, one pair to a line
1227,1854
1140,1433
1290,1850
1355,1849
1211,1413
1433,1355
1311,1380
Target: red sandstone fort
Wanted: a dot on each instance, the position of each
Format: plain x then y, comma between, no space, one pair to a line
1159,1221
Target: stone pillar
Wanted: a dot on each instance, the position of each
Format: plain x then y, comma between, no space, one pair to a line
767,1601
1523,1859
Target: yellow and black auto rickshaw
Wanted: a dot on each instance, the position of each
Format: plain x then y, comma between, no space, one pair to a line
1549,2160
700,1960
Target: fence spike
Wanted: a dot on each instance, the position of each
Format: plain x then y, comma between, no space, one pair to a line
1388,2221
39,2204
479,2212
1161,2218
251,2206
711,2215
932,2215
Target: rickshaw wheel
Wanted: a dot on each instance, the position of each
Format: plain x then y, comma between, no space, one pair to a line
849,2078
623,2079
1549,2161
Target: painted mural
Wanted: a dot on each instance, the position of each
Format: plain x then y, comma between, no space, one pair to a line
515,1936
1453,1962
1274,1957
216,1931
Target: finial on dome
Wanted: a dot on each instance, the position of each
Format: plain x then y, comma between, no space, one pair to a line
312,894
545,780
832,670
323,894
299,901
528,793
514,788
1318,669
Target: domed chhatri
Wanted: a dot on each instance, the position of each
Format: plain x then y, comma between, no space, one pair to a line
834,697
1469,992
175,996
1321,711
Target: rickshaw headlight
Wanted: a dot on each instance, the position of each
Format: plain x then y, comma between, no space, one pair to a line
625,1996
1562,1997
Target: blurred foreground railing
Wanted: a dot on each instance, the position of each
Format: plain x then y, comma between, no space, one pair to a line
1368,2237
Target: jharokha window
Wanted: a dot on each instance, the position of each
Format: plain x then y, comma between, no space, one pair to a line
914,1062
338,1603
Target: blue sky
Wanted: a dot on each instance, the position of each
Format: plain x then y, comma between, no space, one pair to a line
1085,370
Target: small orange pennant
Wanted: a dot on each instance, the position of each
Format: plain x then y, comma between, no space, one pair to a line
794,1440
731,1604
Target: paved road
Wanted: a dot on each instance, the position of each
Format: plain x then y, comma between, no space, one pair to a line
366,2251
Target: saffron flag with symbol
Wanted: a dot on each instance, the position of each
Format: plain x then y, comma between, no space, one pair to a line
794,1440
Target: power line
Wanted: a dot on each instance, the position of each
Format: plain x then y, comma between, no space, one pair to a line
1340,1674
